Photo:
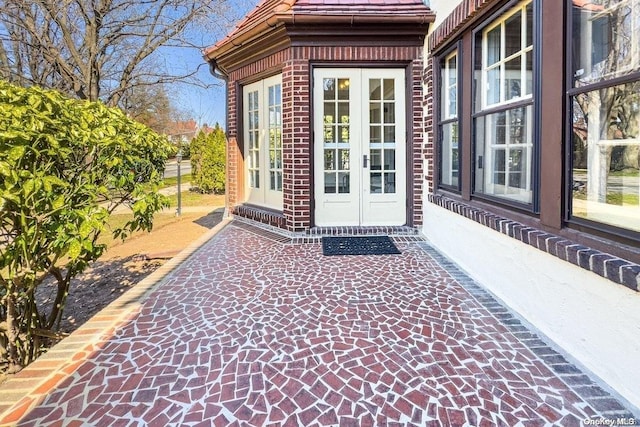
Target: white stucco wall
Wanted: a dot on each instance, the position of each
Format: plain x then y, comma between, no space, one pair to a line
597,322
443,8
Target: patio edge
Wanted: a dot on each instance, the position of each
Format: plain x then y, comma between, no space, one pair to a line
23,391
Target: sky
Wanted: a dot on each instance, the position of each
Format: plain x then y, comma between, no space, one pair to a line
204,105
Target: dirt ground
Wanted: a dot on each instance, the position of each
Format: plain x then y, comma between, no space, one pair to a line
125,264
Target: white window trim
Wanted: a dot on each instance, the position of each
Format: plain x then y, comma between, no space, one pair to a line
500,22
263,195
447,117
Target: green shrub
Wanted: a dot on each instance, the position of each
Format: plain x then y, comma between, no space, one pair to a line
65,165
208,154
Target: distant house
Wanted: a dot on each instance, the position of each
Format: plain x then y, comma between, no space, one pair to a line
507,132
182,131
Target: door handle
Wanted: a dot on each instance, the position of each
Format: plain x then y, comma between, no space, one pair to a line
364,161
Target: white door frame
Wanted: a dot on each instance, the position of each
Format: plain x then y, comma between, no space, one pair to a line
362,126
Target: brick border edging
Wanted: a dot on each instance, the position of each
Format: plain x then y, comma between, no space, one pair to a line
577,378
23,391
610,267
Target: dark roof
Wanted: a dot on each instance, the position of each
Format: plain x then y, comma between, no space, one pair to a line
271,13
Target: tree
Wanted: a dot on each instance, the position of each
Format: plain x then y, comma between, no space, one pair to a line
150,106
99,49
208,155
65,165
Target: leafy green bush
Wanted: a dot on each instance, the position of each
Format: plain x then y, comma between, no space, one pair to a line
65,165
208,154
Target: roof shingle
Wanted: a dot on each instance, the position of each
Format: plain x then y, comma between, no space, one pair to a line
272,12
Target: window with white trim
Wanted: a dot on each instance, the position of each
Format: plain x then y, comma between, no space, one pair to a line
504,106
263,142
449,154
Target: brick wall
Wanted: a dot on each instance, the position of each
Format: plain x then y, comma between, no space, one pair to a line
295,65
429,173
297,144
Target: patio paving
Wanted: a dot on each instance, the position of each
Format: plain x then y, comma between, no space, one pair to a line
254,329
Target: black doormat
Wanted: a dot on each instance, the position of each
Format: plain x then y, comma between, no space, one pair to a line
359,245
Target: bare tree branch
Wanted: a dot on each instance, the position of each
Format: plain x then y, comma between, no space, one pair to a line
100,49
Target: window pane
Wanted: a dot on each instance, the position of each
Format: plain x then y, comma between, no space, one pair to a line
513,34
513,79
449,92
503,154
493,86
449,158
606,156
494,44
606,40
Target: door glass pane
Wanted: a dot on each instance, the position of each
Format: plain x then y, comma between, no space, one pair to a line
336,135
275,135
389,89
329,89
376,183
343,88
329,160
390,182
375,159
375,134
389,134
343,134
343,182
343,159
389,112
375,115
329,113
389,159
330,183
375,89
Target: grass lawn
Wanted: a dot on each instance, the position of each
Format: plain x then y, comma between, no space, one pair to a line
170,182
163,218
192,198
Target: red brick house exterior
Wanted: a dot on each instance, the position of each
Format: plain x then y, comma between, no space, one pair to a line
291,40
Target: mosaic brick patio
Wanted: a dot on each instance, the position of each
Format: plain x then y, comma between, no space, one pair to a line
255,330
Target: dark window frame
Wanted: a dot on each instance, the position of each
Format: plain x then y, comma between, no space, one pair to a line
583,224
439,60
532,208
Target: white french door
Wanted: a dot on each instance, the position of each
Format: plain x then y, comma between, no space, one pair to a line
360,146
